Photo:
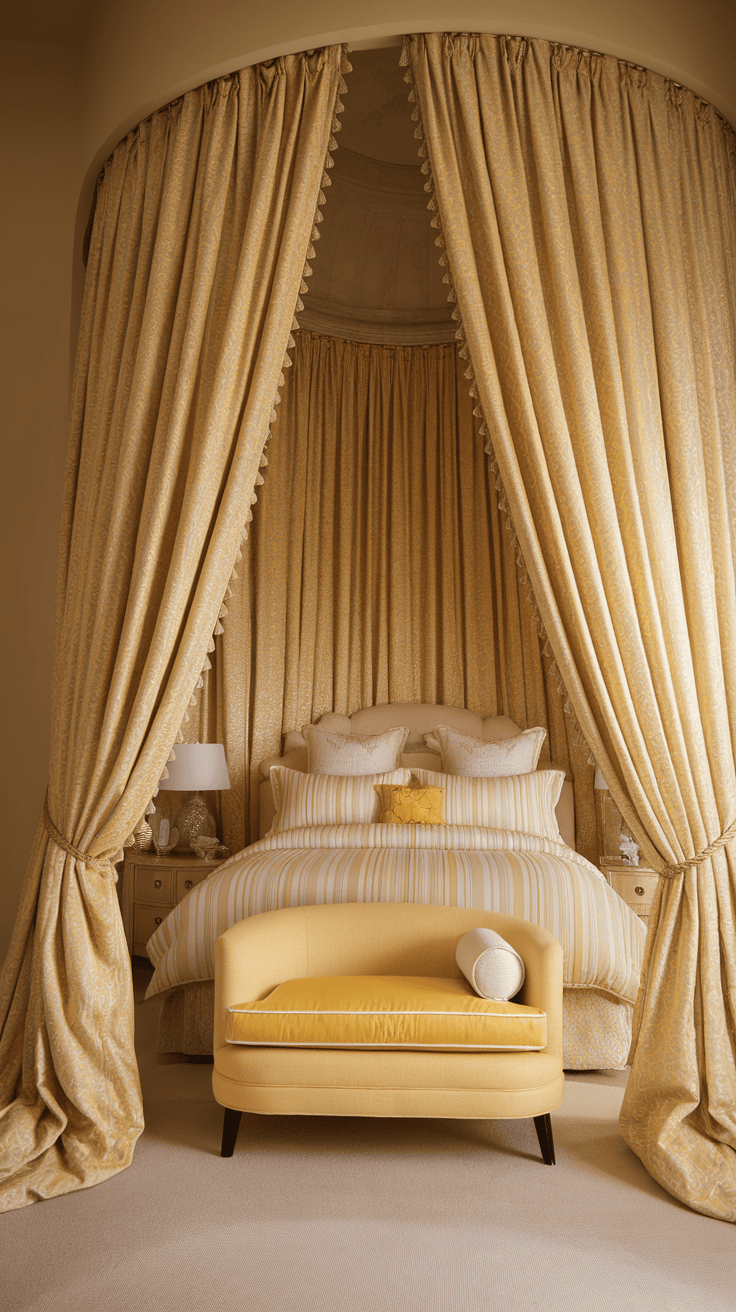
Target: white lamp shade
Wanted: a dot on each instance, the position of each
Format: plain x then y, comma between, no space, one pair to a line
199,767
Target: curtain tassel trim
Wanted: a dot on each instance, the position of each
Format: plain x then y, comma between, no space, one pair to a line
671,872
103,865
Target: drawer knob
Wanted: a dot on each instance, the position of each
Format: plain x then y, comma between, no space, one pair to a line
157,883
189,883
639,891
157,920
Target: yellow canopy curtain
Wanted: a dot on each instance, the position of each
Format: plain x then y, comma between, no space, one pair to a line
379,568
589,213
202,225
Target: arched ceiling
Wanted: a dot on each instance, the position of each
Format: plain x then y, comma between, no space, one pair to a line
376,274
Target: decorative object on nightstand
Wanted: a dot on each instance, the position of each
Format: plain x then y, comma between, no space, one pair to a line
629,850
165,838
143,837
208,848
150,888
198,767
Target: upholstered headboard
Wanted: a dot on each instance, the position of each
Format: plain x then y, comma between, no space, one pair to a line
421,718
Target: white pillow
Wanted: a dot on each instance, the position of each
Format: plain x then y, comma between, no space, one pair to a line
522,802
352,753
477,758
490,964
324,799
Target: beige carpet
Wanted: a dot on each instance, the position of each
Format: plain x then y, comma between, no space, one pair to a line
330,1215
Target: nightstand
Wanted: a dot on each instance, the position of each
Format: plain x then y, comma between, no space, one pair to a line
151,888
635,884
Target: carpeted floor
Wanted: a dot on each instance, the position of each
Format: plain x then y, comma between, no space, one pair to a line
331,1215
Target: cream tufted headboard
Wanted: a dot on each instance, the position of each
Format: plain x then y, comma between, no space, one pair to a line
421,718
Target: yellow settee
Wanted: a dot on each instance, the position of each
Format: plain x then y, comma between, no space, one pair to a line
257,954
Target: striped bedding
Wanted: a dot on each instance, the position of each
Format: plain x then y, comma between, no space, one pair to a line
446,865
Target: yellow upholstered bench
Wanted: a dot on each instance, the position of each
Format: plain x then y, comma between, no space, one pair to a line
267,1062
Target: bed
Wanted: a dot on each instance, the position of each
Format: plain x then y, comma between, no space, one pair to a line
502,844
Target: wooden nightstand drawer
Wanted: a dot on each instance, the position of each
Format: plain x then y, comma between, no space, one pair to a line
146,921
186,880
635,885
153,885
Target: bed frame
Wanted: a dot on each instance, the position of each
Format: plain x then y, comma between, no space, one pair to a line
597,1027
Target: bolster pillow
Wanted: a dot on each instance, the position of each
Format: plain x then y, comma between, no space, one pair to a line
490,964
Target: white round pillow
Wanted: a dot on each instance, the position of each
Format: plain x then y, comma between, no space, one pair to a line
490,964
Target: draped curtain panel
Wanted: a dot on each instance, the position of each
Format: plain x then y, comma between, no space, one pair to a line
379,568
588,209
201,230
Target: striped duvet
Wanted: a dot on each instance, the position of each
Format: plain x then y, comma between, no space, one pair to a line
444,865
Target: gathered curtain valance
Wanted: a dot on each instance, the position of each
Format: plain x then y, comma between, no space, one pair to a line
201,231
588,210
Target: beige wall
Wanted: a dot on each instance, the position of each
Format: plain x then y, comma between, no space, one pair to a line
143,52
40,171
61,113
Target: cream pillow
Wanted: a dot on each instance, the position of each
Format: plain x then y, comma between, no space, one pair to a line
476,757
352,753
323,799
490,964
523,802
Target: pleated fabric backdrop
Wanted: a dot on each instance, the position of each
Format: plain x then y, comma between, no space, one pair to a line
379,568
588,208
201,232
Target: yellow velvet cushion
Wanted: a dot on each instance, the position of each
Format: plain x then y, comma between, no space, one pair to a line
405,805
385,1011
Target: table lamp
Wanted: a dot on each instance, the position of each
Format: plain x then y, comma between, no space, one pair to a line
198,767
615,842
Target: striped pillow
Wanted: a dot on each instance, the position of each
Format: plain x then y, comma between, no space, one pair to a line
524,802
327,799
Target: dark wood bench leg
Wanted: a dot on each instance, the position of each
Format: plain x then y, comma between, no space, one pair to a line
230,1127
543,1127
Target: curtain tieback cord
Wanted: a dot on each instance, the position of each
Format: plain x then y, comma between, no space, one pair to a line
669,872
102,865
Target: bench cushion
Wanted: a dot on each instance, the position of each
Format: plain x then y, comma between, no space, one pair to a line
385,1011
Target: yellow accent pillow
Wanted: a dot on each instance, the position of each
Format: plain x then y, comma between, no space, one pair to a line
402,804
385,1011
